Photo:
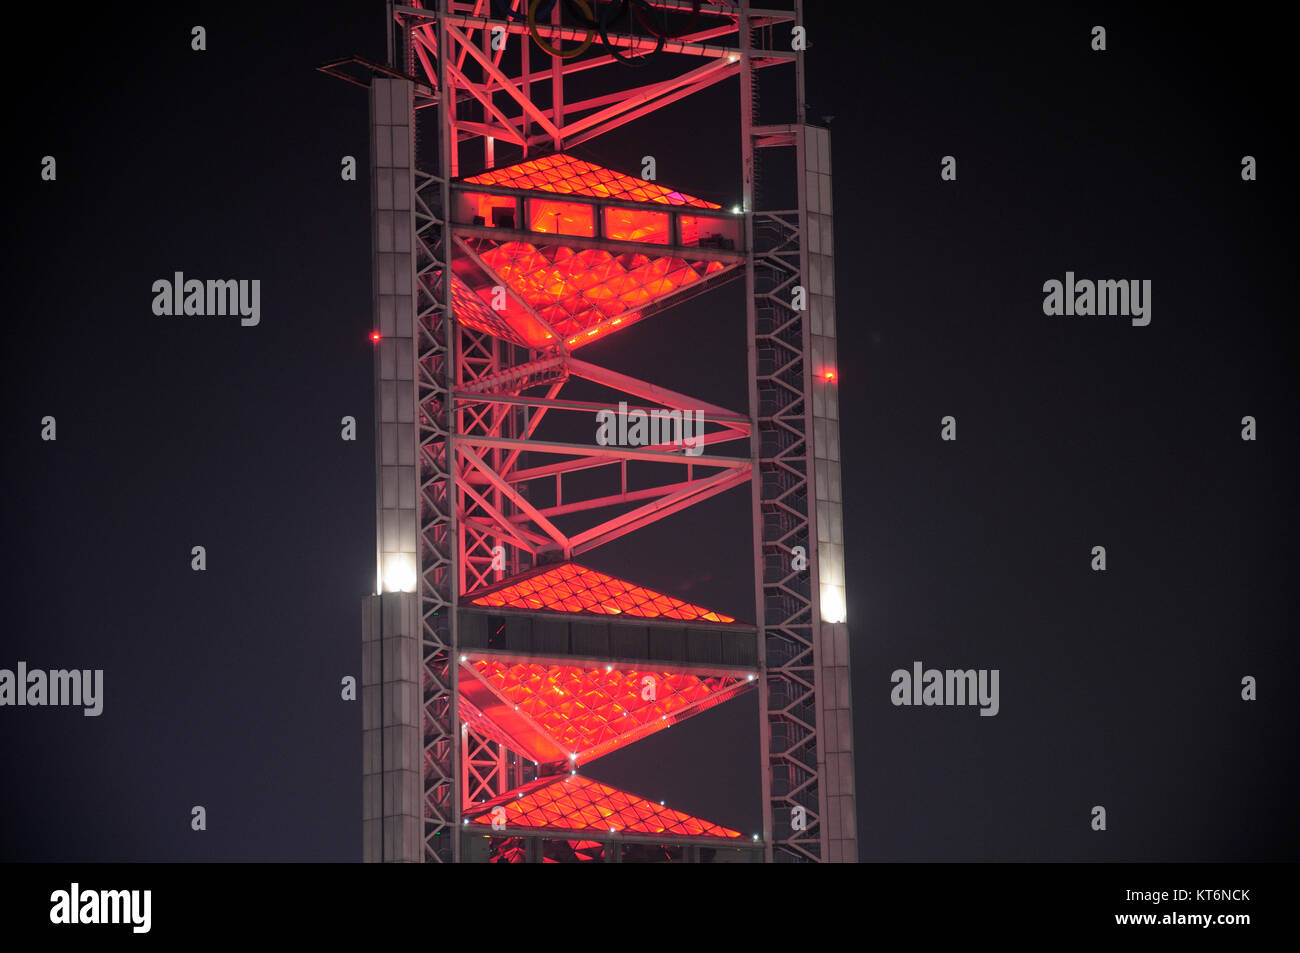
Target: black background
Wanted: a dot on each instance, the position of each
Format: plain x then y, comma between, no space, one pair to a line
1119,688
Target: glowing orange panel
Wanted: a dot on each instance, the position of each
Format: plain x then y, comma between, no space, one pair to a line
512,322
555,712
565,174
573,588
561,218
631,225
574,803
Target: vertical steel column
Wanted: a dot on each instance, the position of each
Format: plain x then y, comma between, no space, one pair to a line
747,108
834,702
390,653
390,739
806,730
448,596
436,374
393,195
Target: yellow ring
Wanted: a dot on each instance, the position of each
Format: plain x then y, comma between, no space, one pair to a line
537,37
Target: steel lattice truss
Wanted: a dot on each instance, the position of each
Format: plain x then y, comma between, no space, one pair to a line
514,108
496,507
788,607
436,332
517,266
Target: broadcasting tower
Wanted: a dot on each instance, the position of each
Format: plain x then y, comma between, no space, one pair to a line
499,659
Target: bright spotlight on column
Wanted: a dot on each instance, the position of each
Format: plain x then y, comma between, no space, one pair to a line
399,573
833,608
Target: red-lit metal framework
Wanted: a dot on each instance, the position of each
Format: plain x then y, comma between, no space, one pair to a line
491,272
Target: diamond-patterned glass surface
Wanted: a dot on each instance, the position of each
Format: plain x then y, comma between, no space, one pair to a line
472,311
573,588
574,290
590,711
574,803
566,175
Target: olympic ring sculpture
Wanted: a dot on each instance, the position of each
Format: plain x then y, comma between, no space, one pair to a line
596,25
537,37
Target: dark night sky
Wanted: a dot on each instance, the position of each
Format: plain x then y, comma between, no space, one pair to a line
1117,688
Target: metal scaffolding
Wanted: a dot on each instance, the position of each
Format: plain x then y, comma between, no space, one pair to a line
494,664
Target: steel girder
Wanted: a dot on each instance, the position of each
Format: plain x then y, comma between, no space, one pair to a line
808,778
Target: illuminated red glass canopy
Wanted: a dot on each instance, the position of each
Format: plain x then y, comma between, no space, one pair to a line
552,712
574,803
565,174
476,312
577,293
561,290
572,588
